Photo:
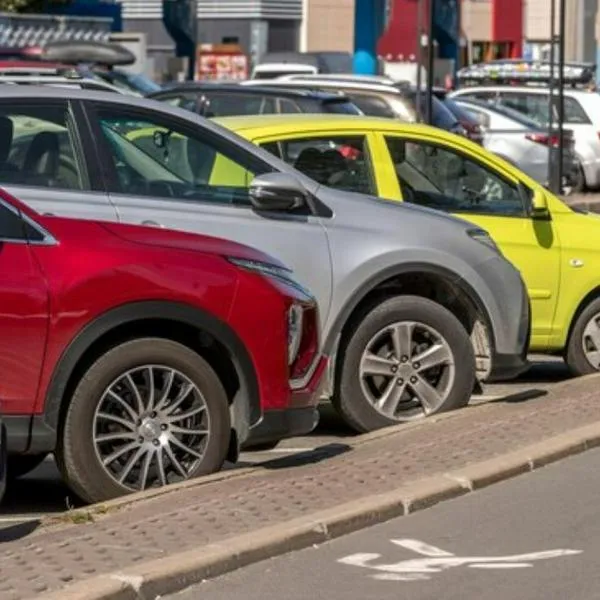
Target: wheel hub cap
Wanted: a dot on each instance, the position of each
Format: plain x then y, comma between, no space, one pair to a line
151,427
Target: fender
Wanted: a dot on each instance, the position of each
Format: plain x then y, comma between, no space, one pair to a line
46,425
402,269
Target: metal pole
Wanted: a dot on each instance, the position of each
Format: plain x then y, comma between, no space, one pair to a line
561,92
419,58
551,153
430,64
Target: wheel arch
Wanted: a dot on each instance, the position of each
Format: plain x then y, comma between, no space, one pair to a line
134,317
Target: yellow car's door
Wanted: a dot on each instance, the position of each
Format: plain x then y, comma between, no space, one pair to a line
433,172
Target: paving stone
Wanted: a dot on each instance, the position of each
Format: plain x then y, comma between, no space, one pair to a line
287,489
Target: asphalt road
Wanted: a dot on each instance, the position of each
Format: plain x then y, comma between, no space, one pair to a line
42,492
536,537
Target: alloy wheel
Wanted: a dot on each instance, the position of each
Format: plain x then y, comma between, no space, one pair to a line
407,371
591,341
151,427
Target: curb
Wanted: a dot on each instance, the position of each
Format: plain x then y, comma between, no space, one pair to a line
178,571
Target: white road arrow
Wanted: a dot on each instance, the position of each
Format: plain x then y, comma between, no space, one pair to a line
438,560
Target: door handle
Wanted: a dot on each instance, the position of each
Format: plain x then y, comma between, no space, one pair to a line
152,223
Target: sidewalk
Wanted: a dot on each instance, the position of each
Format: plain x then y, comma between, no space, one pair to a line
200,514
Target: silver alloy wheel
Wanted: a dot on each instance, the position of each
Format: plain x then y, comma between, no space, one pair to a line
591,341
407,371
151,427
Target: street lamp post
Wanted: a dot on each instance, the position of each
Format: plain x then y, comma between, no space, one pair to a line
551,152
419,58
430,62
561,92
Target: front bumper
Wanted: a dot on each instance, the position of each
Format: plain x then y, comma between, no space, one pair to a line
299,418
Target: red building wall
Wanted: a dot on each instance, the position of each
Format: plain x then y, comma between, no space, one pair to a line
401,36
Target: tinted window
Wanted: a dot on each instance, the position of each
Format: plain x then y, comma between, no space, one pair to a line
536,107
441,117
373,106
225,105
443,179
11,225
288,106
37,148
340,107
340,162
268,106
155,158
574,113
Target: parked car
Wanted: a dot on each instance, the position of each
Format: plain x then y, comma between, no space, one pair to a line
375,98
556,248
470,124
582,116
141,356
3,459
274,64
520,141
373,266
218,99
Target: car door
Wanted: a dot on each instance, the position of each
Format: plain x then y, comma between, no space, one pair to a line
46,163
172,173
436,174
23,317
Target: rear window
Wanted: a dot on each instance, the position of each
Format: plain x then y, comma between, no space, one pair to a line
340,107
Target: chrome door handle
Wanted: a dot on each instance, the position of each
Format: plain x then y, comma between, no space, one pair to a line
152,223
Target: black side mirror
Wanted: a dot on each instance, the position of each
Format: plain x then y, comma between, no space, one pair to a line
277,191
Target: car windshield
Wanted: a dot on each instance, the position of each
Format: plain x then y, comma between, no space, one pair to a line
458,111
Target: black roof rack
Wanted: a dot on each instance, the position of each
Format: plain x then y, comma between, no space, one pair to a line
518,71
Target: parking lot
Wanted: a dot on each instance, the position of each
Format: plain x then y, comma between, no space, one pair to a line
42,493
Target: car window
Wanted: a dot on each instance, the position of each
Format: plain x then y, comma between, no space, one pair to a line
288,106
574,113
152,158
441,178
37,148
11,225
373,106
268,106
338,106
341,162
230,105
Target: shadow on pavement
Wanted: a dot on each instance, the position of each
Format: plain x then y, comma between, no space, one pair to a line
309,457
13,533
520,397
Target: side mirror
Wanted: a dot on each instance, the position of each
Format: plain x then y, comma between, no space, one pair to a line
277,191
535,200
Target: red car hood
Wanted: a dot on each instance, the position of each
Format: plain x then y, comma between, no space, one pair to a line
167,238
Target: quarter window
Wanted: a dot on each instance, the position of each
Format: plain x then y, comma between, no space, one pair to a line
154,158
341,162
443,179
37,148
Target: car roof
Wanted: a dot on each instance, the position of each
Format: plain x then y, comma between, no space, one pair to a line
305,122
521,89
247,89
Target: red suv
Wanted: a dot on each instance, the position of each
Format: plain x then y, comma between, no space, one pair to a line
142,356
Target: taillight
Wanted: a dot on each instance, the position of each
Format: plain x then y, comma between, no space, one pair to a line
541,138
303,342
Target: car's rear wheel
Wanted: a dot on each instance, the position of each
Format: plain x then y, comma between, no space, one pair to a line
583,348
22,464
148,413
407,358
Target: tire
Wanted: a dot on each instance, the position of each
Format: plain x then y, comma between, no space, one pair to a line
22,464
353,396
574,356
79,456
578,183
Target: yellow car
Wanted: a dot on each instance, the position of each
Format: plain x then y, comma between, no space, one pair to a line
556,248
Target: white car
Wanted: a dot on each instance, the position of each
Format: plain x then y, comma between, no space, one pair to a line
582,116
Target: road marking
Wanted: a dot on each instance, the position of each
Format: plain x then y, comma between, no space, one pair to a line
22,518
418,569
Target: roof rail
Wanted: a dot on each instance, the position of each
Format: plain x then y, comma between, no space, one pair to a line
523,72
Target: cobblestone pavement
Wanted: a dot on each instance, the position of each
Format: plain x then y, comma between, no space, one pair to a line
42,493
33,561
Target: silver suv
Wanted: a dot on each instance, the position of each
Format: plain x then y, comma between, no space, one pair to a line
415,305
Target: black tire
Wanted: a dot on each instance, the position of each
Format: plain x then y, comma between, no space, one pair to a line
574,355
22,464
76,456
349,399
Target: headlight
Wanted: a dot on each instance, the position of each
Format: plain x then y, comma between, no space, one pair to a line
295,316
483,237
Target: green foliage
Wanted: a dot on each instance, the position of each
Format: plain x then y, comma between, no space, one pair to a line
29,6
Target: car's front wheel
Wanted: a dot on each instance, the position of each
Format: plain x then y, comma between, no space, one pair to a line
582,354
147,413
407,358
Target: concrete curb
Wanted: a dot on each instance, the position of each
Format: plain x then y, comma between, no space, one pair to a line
173,573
